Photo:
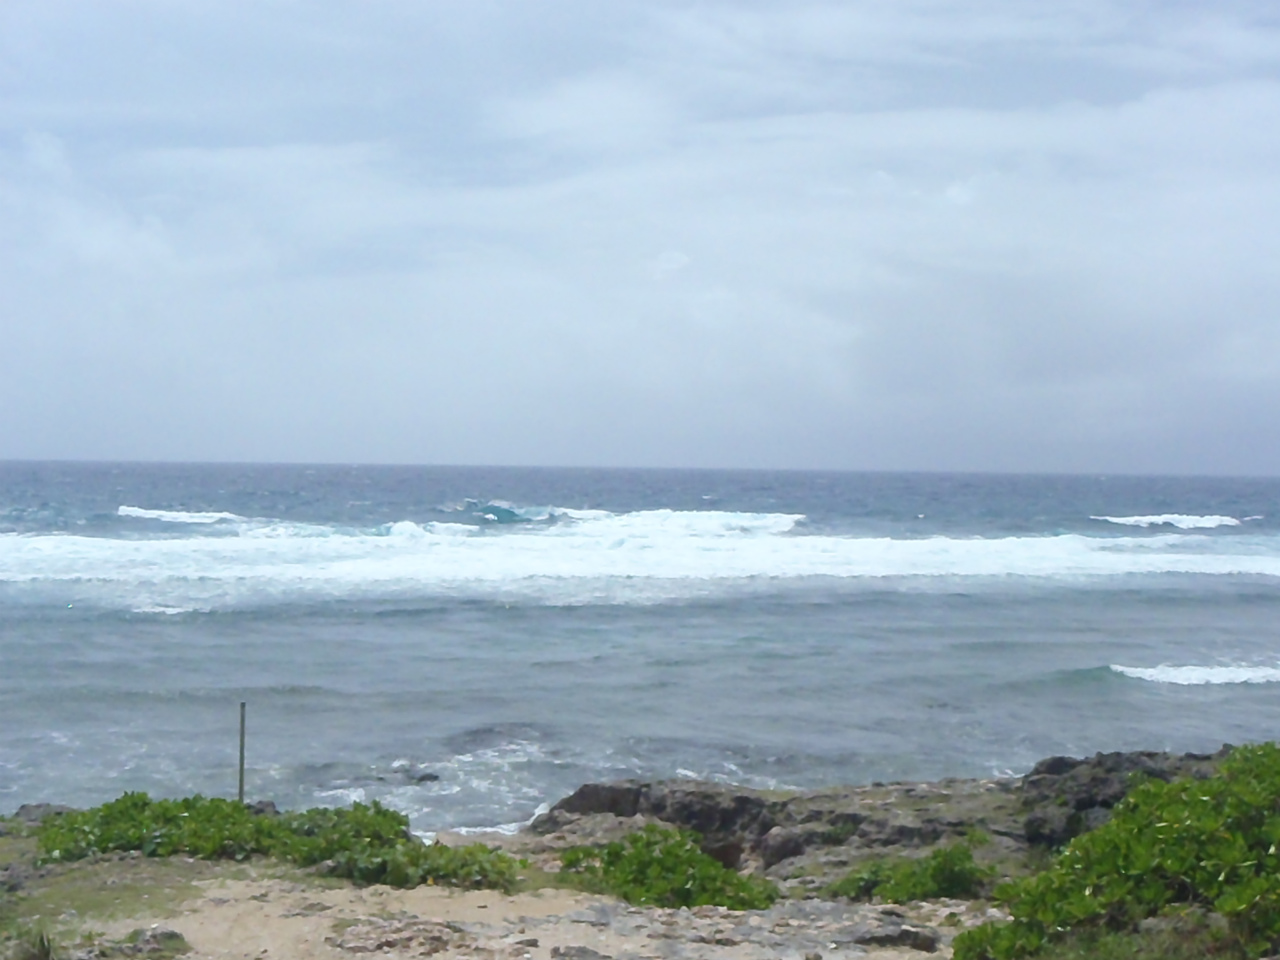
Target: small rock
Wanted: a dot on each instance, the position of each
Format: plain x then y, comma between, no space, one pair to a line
578,953
36,812
158,941
924,939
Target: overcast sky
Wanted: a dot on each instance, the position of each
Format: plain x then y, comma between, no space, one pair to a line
894,234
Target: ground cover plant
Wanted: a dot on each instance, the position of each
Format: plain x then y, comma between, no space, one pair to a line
1211,845
366,843
946,872
664,868
1177,944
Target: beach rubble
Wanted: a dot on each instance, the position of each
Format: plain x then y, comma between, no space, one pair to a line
272,918
618,932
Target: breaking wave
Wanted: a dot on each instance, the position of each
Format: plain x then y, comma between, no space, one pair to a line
175,516
1182,521
1199,675
591,556
502,511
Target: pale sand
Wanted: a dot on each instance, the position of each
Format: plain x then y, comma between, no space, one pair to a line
259,919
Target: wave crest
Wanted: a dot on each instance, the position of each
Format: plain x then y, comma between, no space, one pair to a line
584,557
1187,676
176,516
1183,521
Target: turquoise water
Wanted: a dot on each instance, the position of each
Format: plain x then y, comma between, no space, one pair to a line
517,632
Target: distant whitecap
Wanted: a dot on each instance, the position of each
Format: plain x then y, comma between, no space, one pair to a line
175,516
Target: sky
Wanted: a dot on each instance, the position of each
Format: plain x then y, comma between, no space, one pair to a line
990,235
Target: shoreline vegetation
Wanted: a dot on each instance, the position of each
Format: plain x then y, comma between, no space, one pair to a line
1124,855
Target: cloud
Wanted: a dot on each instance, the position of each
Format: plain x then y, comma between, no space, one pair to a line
879,235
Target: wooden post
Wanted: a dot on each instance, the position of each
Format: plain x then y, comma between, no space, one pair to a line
242,751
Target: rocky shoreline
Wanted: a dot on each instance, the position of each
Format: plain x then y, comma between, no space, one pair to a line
803,841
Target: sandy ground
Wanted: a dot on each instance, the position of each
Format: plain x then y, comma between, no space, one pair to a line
263,919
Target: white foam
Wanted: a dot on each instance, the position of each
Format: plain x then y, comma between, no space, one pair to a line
1182,521
589,557
175,516
342,796
504,829
1198,675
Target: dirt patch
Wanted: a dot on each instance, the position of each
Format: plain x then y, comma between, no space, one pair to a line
262,910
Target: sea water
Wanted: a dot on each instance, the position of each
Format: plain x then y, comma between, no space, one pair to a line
469,644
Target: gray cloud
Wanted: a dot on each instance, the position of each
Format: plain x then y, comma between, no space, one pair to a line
923,235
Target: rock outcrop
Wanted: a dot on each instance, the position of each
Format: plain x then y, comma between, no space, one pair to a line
1066,797
808,838
37,812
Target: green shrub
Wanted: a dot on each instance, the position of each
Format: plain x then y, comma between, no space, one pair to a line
945,872
1201,843
664,868
367,843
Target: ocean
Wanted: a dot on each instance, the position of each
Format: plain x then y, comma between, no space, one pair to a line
468,645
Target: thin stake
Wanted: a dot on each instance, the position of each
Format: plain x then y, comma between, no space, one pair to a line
242,751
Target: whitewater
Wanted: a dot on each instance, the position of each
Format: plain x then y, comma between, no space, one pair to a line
263,561
516,632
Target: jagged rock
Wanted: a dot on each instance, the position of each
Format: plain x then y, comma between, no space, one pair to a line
716,812
621,799
783,843
804,840
729,818
813,834
1066,796
886,833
